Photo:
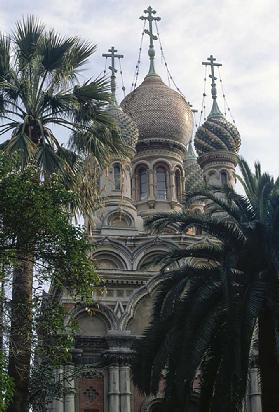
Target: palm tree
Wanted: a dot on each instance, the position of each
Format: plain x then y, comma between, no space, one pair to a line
39,88
39,91
207,312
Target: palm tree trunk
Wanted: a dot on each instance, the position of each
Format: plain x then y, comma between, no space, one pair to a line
268,362
21,332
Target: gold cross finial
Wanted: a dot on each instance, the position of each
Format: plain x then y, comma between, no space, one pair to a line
212,63
151,52
112,54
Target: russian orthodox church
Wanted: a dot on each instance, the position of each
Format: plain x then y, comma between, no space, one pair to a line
156,124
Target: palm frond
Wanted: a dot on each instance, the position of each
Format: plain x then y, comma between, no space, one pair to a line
248,180
77,56
223,230
21,144
53,50
26,36
48,160
221,202
5,45
97,90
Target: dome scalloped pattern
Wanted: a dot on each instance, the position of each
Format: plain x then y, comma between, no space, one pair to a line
128,128
194,179
159,112
217,134
193,172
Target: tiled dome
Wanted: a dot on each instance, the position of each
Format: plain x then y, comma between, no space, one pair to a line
193,173
128,128
159,112
217,134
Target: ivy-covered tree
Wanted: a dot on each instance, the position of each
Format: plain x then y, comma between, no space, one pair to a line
36,230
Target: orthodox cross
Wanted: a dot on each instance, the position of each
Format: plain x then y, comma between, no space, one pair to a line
151,52
112,54
212,63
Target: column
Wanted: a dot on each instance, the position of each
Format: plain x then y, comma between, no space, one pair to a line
134,188
51,406
171,192
151,191
254,394
113,389
69,389
125,389
59,403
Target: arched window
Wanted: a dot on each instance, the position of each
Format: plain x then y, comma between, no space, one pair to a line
117,176
177,179
142,186
161,183
224,177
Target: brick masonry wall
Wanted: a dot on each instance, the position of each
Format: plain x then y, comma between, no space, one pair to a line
91,395
137,400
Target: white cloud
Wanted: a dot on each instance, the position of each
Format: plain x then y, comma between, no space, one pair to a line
242,34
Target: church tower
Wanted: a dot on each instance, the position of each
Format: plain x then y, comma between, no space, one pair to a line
217,141
165,124
117,211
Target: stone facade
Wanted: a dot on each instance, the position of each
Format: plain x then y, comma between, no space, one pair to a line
153,179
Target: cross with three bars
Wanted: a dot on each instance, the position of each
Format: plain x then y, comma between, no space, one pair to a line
212,63
151,52
112,54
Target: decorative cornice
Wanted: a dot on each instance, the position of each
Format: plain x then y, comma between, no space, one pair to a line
218,156
157,144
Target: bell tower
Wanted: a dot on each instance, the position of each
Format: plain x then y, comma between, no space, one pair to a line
117,212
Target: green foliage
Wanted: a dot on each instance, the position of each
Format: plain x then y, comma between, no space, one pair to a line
206,312
6,384
39,88
35,224
37,213
39,91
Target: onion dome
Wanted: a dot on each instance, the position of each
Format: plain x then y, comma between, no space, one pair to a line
193,173
217,134
128,129
126,126
160,113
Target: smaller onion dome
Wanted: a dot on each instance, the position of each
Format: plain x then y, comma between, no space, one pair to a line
128,129
217,134
193,173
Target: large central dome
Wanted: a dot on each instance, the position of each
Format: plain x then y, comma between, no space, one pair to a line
159,112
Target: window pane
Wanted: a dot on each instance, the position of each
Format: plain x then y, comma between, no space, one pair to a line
142,184
161,183
224,177
116,176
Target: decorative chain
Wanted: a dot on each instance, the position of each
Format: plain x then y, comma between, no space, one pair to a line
105,69
122,81
170,78
195,120
226,106
202,112
136,75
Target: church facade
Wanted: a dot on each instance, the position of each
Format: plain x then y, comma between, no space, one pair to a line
156,124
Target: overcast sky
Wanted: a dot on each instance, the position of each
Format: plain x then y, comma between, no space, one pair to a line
242,34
